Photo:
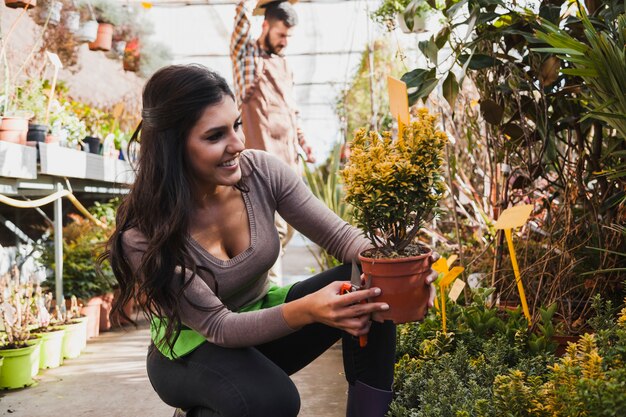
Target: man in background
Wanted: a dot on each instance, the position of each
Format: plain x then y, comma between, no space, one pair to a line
264,88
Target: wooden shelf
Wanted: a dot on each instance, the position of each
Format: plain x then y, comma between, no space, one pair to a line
18,165
17,161
64,162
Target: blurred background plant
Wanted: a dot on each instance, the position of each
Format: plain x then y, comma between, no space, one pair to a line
83,242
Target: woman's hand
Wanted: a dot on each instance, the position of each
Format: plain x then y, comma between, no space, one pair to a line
327,306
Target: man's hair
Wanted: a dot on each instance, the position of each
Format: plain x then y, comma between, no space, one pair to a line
281,11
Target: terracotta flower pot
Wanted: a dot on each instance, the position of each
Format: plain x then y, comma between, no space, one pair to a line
14,129
92,311
20,4
104,39
403,286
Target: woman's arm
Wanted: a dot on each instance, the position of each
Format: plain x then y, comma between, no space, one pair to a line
302,210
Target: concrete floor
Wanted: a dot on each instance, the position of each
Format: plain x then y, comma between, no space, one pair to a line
109,378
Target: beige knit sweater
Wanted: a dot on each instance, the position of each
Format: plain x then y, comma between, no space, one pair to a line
224,286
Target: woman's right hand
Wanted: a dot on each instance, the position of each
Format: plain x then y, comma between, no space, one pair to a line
328,306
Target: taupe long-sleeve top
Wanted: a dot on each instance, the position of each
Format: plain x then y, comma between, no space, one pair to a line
243,280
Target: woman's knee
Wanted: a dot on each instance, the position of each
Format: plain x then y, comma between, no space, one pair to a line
276,399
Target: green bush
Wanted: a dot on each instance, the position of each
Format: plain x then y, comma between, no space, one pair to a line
83,242
491,365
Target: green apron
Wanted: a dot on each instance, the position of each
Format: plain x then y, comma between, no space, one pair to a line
188,340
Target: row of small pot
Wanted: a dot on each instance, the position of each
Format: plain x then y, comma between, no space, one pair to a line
46,349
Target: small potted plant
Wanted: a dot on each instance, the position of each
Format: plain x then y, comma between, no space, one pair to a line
409,15
109,14
19,350
82,243
394,187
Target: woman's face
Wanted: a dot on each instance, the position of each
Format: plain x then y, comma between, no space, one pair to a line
214,144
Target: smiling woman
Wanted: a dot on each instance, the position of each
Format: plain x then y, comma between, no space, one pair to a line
195,239
214,146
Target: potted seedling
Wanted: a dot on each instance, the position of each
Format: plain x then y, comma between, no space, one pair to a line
19,350
394,187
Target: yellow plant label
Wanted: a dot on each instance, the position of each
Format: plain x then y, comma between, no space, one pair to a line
398,100
451,276
441,265
514,217
451,260
456,290
117,110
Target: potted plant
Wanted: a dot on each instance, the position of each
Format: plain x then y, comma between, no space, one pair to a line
108,14
51,336
413,18
410,15
66,128
394,186
20,4
32,97
19,350
82,243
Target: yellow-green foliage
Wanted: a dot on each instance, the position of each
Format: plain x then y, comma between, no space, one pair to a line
395,184
582,383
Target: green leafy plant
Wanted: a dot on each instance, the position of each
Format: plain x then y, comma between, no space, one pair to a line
387,12
324,183
83,241
394,185
452,374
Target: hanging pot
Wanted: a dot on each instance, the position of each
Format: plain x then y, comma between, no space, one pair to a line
104,39
117,50
419,24
403,286
20,4
131,56
72,21
53,10
88,32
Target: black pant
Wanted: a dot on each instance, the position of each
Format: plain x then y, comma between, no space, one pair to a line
254,381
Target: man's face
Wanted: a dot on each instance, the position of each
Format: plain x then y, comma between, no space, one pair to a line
277,36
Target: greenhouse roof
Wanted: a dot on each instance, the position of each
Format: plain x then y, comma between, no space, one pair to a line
323,53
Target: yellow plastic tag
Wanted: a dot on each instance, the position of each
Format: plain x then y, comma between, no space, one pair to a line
441,265
511,218
514,217
398,102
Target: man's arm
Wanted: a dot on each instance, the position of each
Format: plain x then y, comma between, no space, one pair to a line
242,50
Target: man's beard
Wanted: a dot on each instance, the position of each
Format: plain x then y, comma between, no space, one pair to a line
269,47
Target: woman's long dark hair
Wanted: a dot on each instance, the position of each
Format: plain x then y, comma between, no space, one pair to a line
160,200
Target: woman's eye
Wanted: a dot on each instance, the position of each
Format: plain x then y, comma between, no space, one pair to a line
215,137
237,125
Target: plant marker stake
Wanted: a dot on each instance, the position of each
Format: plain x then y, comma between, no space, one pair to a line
399,102
510,218
56,62
442,266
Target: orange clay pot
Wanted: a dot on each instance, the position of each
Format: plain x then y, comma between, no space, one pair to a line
403,286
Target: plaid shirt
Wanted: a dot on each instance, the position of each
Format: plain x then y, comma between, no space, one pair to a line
243,52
